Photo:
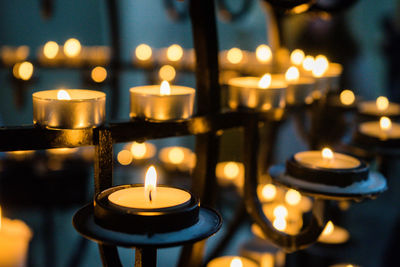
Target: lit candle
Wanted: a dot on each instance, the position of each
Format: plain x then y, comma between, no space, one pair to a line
333,234
259,62
383,129
50,53
326,159
69,109
230,172
380,107
173,55
177,158
300,88
14,242
264,94
142,151
162,103
231,261
143,55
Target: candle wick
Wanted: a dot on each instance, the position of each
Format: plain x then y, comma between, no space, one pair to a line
150,195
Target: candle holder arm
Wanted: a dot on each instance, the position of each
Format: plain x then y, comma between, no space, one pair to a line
289,243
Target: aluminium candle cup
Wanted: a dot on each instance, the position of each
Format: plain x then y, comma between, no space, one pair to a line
370,109
85,109
330,81
299,92
370,134
245,93
135,220
148,103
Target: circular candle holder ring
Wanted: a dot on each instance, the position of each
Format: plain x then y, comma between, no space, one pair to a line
369,188
208,224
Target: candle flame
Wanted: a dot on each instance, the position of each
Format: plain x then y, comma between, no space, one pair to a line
382,103
308,63
234,55
280,223
165,89
280,211
292,197
63,95
328,229
297,57
236,262
72,47
321,65
231,170
327,153
176,155
385,123
263,53
174,52
50,49
150,182
265,81
292,74
268,191
347,97
143,52
138,150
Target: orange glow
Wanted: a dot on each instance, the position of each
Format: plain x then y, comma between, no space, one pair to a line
50,49
138,150
234,55
268,192
72,47
174,52
382,103
264,53
176,155
231,170
347,97
124,157
308,63
321,65
385,123
167,73
280,223
328,228
23,70
165,89
297,57
280,211
265,81
327,153
143,52
99,74
292,197
292,74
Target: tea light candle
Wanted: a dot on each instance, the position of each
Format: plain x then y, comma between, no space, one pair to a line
326,159
231,261
69,109
384,129
263,94
259,62
380,107
14,242
300,88
333,234
177,158
162,103
230,172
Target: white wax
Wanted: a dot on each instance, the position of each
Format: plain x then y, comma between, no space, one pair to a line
370,108
138,198
75,94
226,262
14,240
314,159
339,235
373,128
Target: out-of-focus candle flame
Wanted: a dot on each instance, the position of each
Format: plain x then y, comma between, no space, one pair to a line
176,155
235,55
124,157
23,70
72,47
297,57
265,81
267,260
143,52
263,53
292,197
321,65
138,150
347,97
382,103
99,74
268,192
165,89
328,229
150,181
231,170
280,223
167,73
385,123
50,49
236,262
327,153
280,211
292,74
63,95
308,63
174,52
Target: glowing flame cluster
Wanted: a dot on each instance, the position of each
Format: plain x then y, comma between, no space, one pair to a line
280,212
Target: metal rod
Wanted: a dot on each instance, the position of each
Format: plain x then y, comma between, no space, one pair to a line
146,257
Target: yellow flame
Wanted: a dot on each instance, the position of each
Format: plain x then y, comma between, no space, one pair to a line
327,153
280,211
263,53
268,192
167,73
308,63
63,95
150,181
50,49
24,70
265,81
174,52
138,150
99,74
124,157
385,123
176,155
165,89
292,74
382,103
297,57
321,65
235,55
72,47
143,52
231,170
236,262
328,229
347,97
292,197
280,223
